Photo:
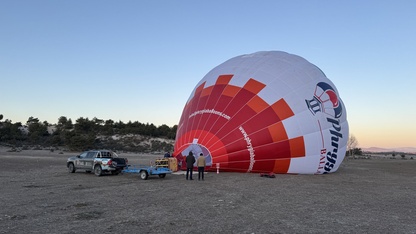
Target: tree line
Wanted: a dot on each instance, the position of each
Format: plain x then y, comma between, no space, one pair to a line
84,134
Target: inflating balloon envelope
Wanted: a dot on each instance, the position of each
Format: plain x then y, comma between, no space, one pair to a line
265,112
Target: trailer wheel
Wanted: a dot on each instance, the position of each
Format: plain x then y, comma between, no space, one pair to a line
162,175
71,168
143,175
97,170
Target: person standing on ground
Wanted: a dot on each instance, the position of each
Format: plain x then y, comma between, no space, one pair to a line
190,160
167,155
201,163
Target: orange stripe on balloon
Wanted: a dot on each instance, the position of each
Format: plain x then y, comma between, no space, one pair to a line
200,88
281,166
257,104
207,91
282,109
297,147
278,132
254,86
231,90
224,79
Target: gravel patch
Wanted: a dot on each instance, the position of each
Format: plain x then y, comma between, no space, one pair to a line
38,195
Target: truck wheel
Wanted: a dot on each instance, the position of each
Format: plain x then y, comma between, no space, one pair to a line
71,168
143,175
162,175
97,170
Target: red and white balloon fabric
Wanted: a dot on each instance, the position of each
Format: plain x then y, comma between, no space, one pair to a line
269,111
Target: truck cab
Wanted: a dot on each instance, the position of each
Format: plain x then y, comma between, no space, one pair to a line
99,161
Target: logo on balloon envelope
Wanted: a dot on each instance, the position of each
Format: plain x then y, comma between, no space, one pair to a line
325,100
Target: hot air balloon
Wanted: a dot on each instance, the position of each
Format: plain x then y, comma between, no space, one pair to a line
268,111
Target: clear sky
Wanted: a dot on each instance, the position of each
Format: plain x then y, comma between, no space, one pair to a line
139,60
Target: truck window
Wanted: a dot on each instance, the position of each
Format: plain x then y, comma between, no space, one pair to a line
105,154
91,154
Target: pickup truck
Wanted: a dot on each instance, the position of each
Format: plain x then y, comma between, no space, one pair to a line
99,161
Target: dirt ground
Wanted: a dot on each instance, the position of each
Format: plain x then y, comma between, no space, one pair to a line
38,195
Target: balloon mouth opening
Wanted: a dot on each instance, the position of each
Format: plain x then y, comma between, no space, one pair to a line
197,150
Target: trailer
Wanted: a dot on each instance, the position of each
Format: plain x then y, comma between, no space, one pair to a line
146,171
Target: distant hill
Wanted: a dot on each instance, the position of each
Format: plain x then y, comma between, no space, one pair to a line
382,150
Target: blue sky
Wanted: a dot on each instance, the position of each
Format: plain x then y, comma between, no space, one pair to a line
140,60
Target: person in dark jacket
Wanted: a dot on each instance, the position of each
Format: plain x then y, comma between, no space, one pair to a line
167,155
190,160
